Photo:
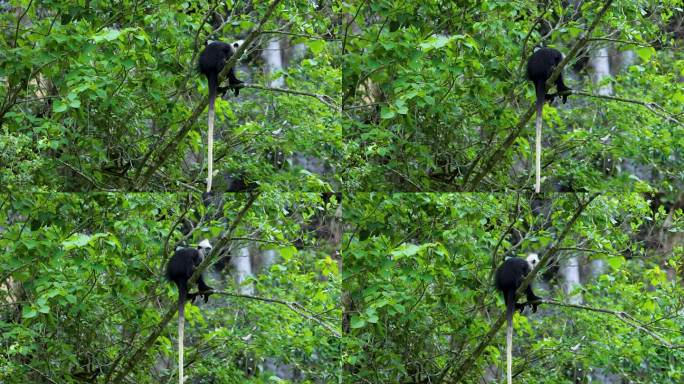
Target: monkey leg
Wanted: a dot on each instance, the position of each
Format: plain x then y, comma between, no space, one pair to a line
203,288
234,82
561,87
531,298
520,307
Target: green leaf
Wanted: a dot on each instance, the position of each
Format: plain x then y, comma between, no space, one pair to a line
435,42
79,240
616,261
28,312
107,35
387,113
59,106
406,250
316,46
357,322
645,53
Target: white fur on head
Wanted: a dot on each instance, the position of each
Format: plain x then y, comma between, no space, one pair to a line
204,244
532,260
237,43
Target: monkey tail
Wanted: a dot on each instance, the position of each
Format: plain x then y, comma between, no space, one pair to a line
541,95
182,295
510,308
213,84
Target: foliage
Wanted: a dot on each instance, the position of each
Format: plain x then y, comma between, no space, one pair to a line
434,92
419,296
89,91
83,285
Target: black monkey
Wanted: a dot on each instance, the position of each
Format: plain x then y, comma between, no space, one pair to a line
540,66
508,278
179,270
211,62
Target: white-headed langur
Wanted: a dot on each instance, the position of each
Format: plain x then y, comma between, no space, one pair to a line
211,62
179,270
509,276
540,66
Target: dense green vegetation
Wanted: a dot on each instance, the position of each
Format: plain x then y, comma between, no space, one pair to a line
96,96
435,97
420,300
84,299
414,116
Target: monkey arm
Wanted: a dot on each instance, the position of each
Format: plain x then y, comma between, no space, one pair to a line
550,97
203,288
534,303
235,87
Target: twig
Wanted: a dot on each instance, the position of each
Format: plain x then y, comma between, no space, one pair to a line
646,104
325,99
293,305
310,37
80,173
623,316
523,54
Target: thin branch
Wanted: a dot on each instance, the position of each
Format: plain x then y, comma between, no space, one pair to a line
292,305
175,225
628,42
310,37
325,99
621,315
224,240
80,173
646,104
16,33
514,221
523,54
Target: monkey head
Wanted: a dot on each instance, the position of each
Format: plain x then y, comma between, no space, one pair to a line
532,260
204,245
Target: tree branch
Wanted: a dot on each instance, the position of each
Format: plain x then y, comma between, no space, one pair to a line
621,315
654,108
325,99
292,305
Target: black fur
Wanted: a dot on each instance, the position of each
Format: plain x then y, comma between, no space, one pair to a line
211,62
508,278
179,270
540,66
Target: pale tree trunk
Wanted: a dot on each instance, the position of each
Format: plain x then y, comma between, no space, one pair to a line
268,258
243,270
600,65
627,59
598,267
273,56
570,271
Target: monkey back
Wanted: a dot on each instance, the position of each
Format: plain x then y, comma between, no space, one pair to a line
214,57
511,273
542,62
182,264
